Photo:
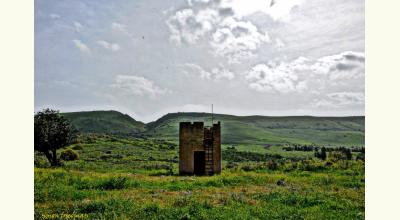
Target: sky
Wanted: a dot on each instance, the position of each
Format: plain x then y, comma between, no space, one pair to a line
147,58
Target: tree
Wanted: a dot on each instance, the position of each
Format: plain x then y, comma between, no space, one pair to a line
52,132
323,153
316,153
349,156
361,156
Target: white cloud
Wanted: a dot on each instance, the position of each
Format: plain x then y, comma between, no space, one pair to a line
194,68
346,98
81,46
109,46
280,78
345,65
277,9
64,83
237,40
340,99
221,72
167,11
243,8
78,26
323,103
279,43
328,73
282,8
54,16
192,2
215,73
178,24
215,21
138,85
118,27
187,26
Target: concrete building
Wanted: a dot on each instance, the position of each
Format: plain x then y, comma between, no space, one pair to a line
199,148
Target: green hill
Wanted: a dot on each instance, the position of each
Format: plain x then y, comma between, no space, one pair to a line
269,130
235,129
109,122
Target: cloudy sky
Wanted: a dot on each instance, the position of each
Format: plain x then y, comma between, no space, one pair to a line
150,57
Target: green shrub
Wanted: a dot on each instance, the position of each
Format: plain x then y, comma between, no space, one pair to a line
108,156
310,165
272,165
335,156
242,156
361,156
289,166
40,160
112,183
231,165
69,155
248,168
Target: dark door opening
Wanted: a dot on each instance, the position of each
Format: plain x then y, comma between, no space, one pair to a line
199,162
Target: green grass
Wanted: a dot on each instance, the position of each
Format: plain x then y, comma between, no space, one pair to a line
233,194
272,150
128,178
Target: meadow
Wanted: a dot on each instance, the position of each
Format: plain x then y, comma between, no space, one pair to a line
136,178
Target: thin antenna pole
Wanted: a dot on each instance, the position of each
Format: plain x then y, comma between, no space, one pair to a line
212,114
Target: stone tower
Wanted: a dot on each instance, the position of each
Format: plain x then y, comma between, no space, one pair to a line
199,148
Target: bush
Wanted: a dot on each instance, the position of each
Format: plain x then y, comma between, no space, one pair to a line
248,168
242,156
231,165
113,183
321,155
69,154
108,156
310,165
289,166
361,156
157,167
40,160
335,156
272,165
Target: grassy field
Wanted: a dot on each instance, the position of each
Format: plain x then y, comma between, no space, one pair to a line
136,178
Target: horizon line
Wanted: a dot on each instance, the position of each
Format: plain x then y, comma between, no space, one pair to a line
316,116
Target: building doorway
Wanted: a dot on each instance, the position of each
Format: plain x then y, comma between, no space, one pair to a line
199,162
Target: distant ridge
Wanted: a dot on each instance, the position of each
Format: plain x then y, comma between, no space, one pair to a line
256,129
111,122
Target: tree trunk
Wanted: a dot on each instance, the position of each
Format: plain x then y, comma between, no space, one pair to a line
54,162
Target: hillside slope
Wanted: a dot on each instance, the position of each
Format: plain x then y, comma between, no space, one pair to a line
258,130
264,129
109,122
